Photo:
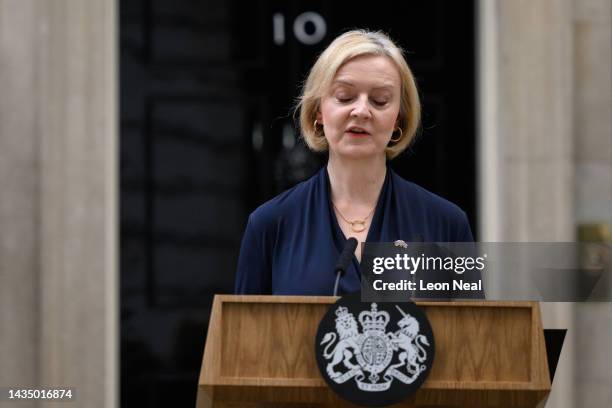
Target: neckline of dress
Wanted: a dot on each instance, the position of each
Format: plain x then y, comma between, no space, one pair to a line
375,216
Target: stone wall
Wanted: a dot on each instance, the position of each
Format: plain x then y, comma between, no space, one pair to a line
592,38
58,166
545,155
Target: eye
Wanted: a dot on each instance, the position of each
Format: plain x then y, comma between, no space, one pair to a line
380,99
344,98
380,102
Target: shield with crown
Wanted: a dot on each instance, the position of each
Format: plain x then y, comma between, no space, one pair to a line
376,349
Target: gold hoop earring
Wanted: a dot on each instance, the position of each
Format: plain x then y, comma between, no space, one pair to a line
399,137
314,125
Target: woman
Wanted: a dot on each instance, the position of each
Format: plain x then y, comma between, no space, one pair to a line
359,103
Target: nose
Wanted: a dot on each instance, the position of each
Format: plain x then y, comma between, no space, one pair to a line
361,109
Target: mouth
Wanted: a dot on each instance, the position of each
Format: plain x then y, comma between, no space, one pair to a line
356,131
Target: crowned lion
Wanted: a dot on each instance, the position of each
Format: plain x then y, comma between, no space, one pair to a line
345,349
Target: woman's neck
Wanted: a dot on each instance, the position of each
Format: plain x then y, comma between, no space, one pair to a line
356,181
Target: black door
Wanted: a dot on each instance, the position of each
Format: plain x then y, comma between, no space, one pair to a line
207,134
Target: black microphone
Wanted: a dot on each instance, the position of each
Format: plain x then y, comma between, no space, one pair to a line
344,260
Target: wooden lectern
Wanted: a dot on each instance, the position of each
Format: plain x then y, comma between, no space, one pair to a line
260,353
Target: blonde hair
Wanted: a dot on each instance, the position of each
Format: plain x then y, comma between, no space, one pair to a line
345,47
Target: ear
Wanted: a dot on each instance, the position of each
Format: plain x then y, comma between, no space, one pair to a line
319,117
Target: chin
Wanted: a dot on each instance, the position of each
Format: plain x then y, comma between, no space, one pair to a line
360,152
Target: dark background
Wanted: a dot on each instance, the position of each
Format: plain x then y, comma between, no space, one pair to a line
207,134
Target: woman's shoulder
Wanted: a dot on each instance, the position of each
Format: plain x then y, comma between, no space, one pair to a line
283,205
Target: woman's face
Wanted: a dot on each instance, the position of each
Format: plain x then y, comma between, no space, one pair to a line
361,108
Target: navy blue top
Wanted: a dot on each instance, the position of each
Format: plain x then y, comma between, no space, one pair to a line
292,242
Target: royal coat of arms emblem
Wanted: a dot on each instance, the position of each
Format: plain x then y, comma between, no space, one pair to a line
373,351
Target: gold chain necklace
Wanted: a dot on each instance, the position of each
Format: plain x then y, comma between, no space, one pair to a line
356,225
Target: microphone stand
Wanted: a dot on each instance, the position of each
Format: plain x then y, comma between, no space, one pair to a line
343,261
